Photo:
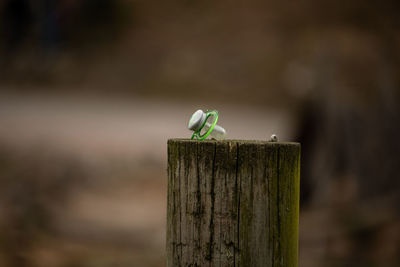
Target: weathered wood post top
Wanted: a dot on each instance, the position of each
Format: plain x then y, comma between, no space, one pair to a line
232,203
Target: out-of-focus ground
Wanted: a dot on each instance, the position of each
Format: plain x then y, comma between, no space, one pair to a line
115,211
86,178
135,126
90,91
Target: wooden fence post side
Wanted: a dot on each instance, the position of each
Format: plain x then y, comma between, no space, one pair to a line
232,203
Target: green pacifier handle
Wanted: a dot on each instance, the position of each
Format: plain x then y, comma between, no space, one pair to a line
209,113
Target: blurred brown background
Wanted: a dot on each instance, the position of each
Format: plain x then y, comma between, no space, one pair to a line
90,91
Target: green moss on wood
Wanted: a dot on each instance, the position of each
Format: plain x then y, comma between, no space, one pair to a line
232,203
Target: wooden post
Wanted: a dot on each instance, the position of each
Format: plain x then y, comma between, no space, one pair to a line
232,203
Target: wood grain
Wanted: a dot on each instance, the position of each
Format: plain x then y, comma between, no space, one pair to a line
232,203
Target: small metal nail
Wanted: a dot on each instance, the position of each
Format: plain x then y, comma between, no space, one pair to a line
273,138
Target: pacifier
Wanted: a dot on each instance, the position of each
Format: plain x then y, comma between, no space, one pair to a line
198,123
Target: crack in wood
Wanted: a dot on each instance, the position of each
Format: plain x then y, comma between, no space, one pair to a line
232,203
211,227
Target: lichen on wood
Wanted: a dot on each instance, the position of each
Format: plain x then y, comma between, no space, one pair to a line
232,203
